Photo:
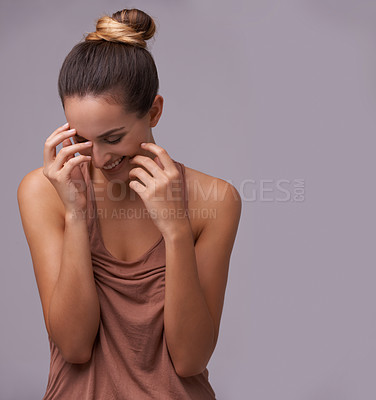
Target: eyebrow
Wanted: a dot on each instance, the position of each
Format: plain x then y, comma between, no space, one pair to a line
110,132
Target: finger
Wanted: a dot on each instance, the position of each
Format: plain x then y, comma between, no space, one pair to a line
73,162
67,153
137,187
148,164
61,136
49,152
59,129
67,143
158,162
142,175
162,154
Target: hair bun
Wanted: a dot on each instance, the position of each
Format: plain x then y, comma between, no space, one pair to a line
126,26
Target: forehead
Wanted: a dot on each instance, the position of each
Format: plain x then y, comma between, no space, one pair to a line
77,108
91,116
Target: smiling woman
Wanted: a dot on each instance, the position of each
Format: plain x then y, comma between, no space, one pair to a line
131,281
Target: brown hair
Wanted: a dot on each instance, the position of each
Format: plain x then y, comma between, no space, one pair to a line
114,62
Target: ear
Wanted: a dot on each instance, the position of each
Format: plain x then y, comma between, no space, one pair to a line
155,111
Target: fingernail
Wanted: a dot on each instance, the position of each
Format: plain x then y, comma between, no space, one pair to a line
66,125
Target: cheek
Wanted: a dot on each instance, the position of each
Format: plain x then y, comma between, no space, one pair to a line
130,147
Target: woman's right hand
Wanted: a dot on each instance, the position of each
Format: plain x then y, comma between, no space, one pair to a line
63,170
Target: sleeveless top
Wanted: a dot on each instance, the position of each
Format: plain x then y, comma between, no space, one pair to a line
130,359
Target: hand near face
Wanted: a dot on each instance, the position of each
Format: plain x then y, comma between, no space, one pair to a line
161,189
62,169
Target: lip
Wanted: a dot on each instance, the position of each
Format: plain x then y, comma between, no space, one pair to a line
117,168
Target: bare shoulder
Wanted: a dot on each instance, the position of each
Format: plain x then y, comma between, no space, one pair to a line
204,189
32,179
34,186
210,198
43,221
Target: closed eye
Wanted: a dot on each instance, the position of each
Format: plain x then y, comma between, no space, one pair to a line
80,139
113,141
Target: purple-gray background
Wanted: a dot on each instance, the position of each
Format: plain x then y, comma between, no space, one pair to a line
276,97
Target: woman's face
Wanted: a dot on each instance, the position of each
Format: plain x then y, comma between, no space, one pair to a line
92,117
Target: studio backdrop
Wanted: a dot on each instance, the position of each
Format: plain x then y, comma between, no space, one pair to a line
276,97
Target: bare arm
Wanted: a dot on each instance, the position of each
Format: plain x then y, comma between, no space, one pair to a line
74,306
196,278
59,247
189,327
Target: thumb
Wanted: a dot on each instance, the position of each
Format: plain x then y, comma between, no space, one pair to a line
78,179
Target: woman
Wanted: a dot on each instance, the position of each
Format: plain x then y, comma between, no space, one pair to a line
130,248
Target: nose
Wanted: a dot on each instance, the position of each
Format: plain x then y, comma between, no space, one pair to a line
99,158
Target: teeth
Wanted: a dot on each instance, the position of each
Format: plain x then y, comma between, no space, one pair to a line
114,164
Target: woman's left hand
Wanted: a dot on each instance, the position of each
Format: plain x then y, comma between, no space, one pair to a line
163,190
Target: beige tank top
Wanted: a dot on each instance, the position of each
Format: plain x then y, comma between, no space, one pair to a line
130,359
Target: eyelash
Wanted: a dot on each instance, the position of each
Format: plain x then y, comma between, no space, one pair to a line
107,141
114,141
